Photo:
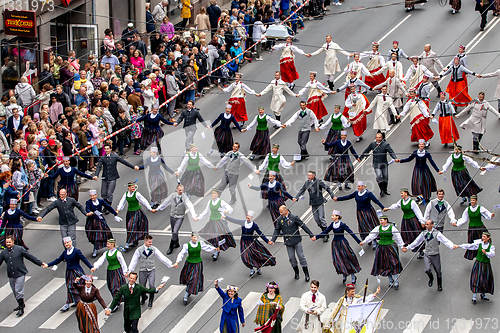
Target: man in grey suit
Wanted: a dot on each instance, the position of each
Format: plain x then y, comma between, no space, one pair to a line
14,256
288,224
108,163
189,115
315,188
67,218
380,149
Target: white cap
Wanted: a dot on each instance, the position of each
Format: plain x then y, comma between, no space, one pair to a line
361,183
93,192
229,106
67,239
343,132
154,149
313,72
251,213
13,201
272,173
336,212
421,141
130,25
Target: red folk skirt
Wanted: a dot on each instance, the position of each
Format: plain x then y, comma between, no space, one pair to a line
448,130
346,109
288,71
376,79
239,109
317,106
459,92
420,129
358,124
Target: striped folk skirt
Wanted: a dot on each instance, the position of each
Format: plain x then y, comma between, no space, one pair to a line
73,296
194,183
158,187
261,145
340,170
463,184
137,226
386,261
472,234
115,279
287,70
279,179
410,229
274,208
367,221
255,254
18,236
223,139
192,277
86,314
217,233
481,278
423,182
150,135
97,231
71,190
333,135
344,259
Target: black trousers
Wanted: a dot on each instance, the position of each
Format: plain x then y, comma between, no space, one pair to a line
130,326
484,18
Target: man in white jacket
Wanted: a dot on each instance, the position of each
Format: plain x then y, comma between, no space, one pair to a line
278,100
312,304
384,103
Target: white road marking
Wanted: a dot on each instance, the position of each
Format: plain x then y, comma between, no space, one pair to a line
249,303
6,290
462,326
417,323
59,317
34,301
196,312
291,308
395,27
148,316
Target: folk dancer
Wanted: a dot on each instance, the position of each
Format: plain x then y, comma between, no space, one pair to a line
422,180
156,179
337,123
317,93
275,193
288,225
399,52
356,105
415,73
190,115
493,74
481,276
137,221
356,66
72,256
392,65
331,65
179,202
253,253
86,311
432,237
216,230
117,267
193,179
271,301
232,309
473,214
192,272
96,227
13,256
11,224
341,169
315,187
437,209
365,213
237,99
457,88
395,89
344,259
306,118
419,119
312,304
360,87
430,60
144,256
423,91
223,136
232,162
152,130
260,145
447,129
375,63
476,123
278,101
412,222
386,262
67,181
383,103
379,150
462,182
272,162
287,64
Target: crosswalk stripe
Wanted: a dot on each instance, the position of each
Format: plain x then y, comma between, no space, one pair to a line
417,323
291,308
196,312
462,326
34,301
159,305
6,290
249,303
59,317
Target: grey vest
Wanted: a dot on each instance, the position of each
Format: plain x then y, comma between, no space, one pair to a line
147,263
438,217
233,165
178,208
304,122
431,243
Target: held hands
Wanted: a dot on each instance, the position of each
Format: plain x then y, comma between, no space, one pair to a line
454,224
93,269
107,312
492,215
294,199
90,213
175,265
283,126
440,172
385,209
44,265
39,219
195,219
297,95
404,249
244,130
154,210
219,87
317,129
258,95
359,160
361,244
293,162
313,238
455,247
95,178
397,160
482,168
136,168
176,173
334,199
175,125
270,243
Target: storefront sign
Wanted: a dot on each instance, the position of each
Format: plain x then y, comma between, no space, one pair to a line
20,23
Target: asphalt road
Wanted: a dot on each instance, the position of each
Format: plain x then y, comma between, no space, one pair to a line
354,30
